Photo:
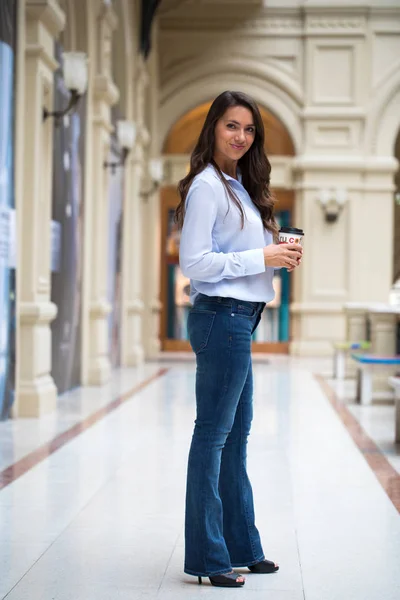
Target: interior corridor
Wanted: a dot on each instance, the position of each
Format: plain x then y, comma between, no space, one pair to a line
92,496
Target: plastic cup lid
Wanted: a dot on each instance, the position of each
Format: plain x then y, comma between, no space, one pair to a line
292,230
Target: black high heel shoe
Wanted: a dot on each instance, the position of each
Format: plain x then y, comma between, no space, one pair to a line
226,580
265,566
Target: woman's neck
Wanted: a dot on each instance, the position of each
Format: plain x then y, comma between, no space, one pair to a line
227,166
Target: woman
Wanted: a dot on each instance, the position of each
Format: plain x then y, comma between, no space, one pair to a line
227,251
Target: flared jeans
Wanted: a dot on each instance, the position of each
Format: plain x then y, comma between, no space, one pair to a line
220,530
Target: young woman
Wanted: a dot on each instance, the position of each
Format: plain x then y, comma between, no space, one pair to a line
227,250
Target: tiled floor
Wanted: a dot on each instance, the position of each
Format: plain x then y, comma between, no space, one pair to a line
102,517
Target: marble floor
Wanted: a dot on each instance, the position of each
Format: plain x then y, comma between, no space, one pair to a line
92,496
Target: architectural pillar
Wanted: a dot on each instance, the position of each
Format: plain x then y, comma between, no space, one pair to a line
37,391
105,95
152,220
132,348
131,78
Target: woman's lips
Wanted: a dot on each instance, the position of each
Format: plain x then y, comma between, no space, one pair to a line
237,147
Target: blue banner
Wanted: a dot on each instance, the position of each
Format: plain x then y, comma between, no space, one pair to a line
7,210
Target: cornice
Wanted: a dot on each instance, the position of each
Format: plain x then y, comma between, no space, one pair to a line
105,89
48,12
40,52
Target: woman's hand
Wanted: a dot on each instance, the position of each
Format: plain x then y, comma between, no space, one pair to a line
293,268
283,255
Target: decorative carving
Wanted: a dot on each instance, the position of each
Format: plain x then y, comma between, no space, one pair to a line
261,25
142,83
48,12
107,23
334,23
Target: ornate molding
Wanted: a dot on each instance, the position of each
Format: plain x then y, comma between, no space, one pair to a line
156,306
107,23
37,313
105,89
136,307
262,25
334,23
40,53
143,136
100,309
48,12
317,308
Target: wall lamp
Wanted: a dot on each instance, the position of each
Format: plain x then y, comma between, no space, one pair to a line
126,136
74,66
332,203
156,172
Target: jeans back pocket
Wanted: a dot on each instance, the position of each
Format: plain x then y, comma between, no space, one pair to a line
199,326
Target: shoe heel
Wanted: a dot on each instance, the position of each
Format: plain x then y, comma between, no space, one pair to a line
200,582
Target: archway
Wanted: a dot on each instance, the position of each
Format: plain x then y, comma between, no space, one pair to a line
274,332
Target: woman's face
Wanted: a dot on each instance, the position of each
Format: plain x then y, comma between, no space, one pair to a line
234,133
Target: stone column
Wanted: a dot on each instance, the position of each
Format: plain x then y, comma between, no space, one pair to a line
105,94
132,346
152,219
37,391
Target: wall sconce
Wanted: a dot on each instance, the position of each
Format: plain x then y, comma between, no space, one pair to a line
156,172
126,136
75,79
332,203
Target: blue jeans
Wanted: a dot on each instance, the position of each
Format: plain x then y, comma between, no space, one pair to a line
220,531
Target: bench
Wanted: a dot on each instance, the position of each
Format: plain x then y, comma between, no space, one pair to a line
366,363
342,349
395,383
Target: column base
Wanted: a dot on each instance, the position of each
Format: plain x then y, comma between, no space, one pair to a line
135,356
99,371
36,398
153,348
310,348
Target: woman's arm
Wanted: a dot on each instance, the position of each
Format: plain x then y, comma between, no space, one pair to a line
197,260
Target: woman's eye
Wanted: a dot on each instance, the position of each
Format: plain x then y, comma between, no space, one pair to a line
231,125
251,130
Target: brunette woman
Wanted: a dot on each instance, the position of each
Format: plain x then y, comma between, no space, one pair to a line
227,250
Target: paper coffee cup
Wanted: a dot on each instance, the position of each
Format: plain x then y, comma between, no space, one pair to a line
291,235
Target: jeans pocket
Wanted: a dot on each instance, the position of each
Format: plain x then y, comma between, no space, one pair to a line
199,327
244,310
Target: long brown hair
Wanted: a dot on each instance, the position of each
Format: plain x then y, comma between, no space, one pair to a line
254,165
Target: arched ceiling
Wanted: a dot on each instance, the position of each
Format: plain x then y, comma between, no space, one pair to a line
185,132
